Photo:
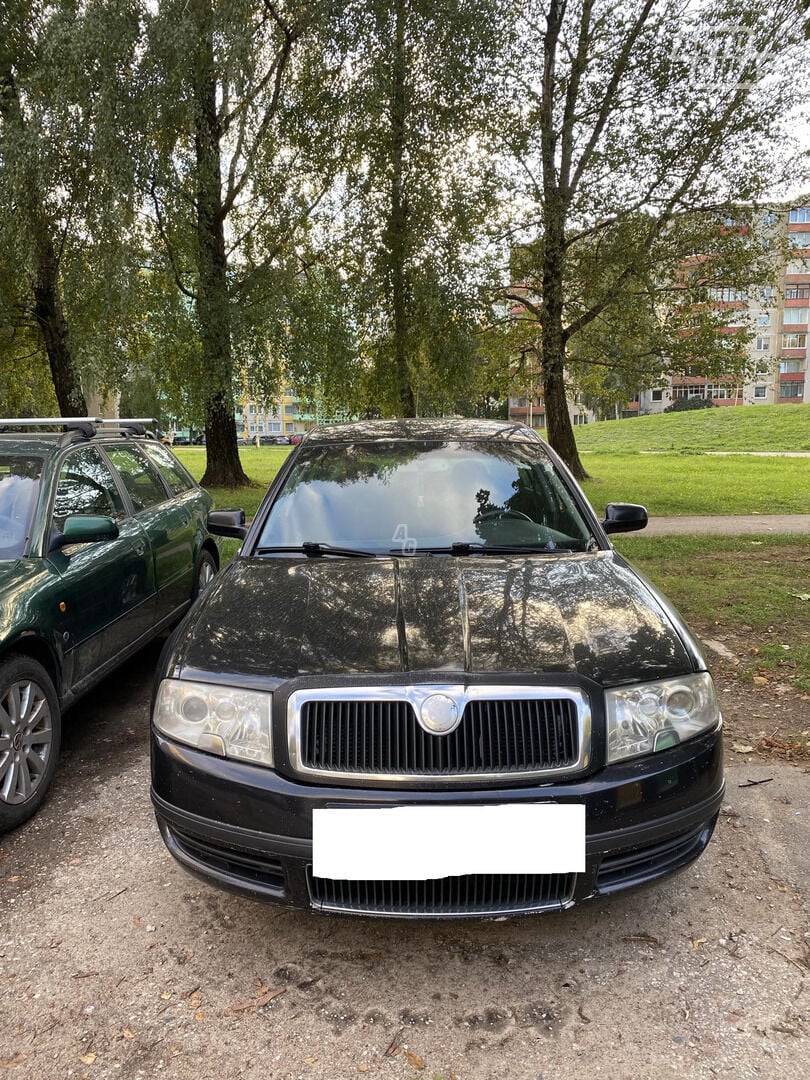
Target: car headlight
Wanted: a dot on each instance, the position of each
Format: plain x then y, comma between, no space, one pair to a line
648,717
224,720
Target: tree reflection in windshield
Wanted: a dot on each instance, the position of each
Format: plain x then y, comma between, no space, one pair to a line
19,488
408,495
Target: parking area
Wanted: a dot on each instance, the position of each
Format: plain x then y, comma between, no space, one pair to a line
114,962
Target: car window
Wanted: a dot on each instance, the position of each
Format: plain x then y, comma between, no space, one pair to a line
19,489
403,496
170,469
86,486
140,478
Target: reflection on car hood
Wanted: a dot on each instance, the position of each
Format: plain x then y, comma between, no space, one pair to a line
278,619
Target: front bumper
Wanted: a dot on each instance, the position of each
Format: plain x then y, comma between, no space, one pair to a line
249,829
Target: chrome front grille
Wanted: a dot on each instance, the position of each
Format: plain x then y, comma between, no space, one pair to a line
375,733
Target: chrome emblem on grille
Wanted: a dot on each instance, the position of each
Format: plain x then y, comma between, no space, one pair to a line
439,715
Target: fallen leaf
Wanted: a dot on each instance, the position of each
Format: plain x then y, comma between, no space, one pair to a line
801,595
12,1063
414,1060
742,748
195,1000
14,877
265,998
310,1060
128,1034
242,1006
137,922
199,1017
760,680
166,995
87,1059
362,1068
697,942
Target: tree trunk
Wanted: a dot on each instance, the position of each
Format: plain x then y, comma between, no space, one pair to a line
51,321
556,204
398,224
47,300
558,420
223,467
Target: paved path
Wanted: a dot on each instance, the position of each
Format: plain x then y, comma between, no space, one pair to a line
729,524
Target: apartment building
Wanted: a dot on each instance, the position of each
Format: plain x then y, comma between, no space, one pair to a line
778,350
288,417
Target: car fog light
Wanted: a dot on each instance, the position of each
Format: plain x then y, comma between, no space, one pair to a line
651,717
223,720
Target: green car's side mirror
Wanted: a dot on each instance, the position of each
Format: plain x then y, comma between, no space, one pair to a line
84,529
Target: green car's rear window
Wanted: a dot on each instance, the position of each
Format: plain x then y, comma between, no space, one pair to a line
19,489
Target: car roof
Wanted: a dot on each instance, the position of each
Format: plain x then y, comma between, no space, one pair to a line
40,443
424,429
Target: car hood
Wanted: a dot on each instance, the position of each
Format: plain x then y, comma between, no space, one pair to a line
276,619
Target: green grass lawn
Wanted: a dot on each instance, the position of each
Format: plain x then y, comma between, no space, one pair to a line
760,427
757,589
674,484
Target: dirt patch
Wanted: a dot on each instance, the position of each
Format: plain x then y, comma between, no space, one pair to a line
763,717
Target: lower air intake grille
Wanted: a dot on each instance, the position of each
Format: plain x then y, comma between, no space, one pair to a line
470,894
644,864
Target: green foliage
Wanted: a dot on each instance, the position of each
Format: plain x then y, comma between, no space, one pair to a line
66,201
690,404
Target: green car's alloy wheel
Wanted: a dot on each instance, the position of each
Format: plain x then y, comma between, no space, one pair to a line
29,738
204,574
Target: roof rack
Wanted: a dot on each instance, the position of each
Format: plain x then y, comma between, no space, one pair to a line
86,426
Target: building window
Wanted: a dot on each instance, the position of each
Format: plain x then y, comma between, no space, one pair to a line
721,393
791,390
797,292
727,294
290,427
794,341
763,344
657,395
252,429
273,427
800,215
790,367
795,315
764,319
289,410
760,391
799,239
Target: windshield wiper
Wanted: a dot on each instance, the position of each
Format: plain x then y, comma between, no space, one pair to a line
313,549
475,548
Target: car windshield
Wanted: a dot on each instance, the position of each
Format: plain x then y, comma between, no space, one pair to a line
19,486
407,497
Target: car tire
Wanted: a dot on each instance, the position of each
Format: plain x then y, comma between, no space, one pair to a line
204,573
30,737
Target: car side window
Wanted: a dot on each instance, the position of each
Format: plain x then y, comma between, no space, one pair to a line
171,471
86,486
140,479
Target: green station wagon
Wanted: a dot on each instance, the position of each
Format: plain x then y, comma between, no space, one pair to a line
103,545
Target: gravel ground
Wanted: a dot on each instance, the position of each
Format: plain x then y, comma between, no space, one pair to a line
115,963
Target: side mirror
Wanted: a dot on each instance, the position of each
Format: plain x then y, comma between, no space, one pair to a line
84,529
228,523
624,517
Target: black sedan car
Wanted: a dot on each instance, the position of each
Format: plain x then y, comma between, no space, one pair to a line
428,686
